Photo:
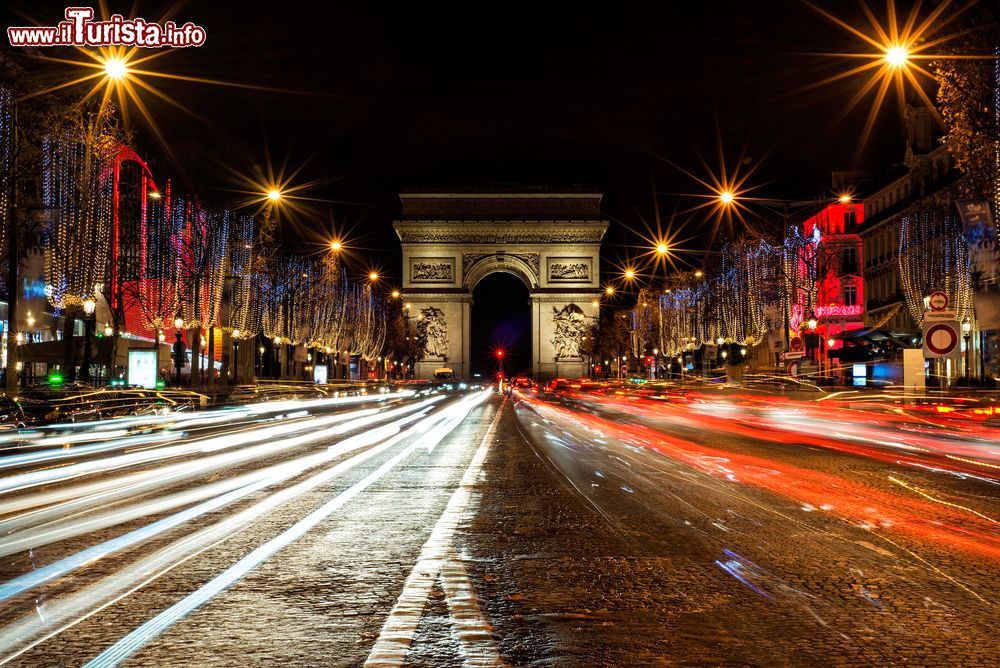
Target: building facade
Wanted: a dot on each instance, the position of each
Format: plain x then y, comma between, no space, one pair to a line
926,170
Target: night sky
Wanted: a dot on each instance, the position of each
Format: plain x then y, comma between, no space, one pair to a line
430,95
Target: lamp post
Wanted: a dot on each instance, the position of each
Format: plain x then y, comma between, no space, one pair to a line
812,323
89,307
236,354
967,334
179,350
179,345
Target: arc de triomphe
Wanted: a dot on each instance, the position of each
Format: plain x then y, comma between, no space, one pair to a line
549,240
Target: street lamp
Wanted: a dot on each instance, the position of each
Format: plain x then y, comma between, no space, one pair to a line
178,321
335,246
610,290
115,68
30,320
274,195
966,334
897,56
89,306
395,294
236,354
108,329
662,248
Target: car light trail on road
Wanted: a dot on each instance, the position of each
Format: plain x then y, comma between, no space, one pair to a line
58,517
866,505
134,641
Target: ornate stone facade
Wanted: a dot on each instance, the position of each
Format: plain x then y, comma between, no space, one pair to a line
551,241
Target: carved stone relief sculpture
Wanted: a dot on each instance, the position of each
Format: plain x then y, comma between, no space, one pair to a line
569,271
432,271
433,329
570,325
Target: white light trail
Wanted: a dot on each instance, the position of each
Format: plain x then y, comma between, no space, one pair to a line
62,613
51,475
135,640
71,527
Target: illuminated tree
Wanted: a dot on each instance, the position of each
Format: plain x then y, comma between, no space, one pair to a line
933,255
968,99
77,163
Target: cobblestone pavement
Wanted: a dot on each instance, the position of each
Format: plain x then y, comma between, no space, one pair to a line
570,531
590,550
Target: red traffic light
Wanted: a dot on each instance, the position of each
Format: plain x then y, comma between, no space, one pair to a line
500,353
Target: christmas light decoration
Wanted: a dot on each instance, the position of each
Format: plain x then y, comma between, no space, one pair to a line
933,255
78,192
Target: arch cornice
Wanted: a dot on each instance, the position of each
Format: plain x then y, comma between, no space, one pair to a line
506,264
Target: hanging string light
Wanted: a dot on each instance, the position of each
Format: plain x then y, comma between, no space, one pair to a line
77,189
933,255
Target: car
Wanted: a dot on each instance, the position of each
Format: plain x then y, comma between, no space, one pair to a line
11,414
559,384
522,382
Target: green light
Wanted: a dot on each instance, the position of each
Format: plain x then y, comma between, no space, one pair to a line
55,378
160,385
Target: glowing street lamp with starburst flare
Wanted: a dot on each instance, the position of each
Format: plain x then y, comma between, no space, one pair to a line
897,42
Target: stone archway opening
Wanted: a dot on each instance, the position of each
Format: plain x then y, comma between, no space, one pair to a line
501,320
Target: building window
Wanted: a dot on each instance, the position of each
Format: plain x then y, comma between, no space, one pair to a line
849,261
850,295
850,222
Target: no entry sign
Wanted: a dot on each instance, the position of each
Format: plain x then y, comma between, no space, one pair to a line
938,301
940,339
795,345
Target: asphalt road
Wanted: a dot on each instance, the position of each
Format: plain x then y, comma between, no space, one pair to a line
453,530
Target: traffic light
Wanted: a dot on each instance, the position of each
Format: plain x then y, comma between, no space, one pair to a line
500,353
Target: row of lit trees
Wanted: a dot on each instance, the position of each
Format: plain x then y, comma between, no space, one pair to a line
60,193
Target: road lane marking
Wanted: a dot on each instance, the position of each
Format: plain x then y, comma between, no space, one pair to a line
438,558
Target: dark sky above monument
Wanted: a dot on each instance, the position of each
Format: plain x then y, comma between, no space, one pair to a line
362,100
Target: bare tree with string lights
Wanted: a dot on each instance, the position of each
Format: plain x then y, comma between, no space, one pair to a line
77,163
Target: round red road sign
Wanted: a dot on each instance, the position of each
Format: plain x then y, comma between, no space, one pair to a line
795,344
938,301
941,339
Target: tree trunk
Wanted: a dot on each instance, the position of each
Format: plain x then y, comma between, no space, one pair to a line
211,357
69,345
12,297
195,343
